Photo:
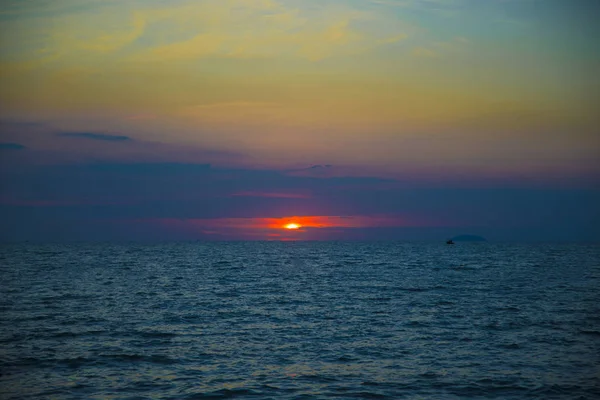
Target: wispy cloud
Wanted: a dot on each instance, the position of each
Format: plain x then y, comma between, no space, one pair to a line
11,146
188,30
239,29
96,136
317,170
273,195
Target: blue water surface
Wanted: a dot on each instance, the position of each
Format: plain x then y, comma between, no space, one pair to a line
300,320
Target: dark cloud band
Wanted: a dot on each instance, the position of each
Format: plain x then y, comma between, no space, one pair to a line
96,136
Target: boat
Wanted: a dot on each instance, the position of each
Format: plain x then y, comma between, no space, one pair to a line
449,241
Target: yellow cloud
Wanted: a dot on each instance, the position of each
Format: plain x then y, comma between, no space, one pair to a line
232,29
103,33
198,29
113,41
199,46
321,44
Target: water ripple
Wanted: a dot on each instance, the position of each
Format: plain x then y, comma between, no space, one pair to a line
299,321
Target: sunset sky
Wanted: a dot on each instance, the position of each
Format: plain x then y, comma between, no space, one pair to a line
354,119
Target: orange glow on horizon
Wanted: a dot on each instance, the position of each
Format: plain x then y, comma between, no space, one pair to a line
304,222
293,227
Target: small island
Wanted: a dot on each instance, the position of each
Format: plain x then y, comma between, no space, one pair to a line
469,238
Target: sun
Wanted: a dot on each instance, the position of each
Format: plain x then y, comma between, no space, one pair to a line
292,226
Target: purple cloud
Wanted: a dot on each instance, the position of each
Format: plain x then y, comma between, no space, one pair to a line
96,136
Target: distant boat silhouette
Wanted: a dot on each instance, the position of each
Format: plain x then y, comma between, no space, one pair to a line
449,241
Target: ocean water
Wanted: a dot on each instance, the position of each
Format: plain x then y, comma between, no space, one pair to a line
300,320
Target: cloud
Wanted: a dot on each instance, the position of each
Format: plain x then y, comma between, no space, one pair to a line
316,167
175,190
11,146
238,30
278,195
188,30
91,197
317,170
125,169
96,136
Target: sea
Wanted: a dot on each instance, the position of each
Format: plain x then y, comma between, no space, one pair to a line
300,320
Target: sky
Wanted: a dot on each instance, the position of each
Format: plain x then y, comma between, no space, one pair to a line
353,119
